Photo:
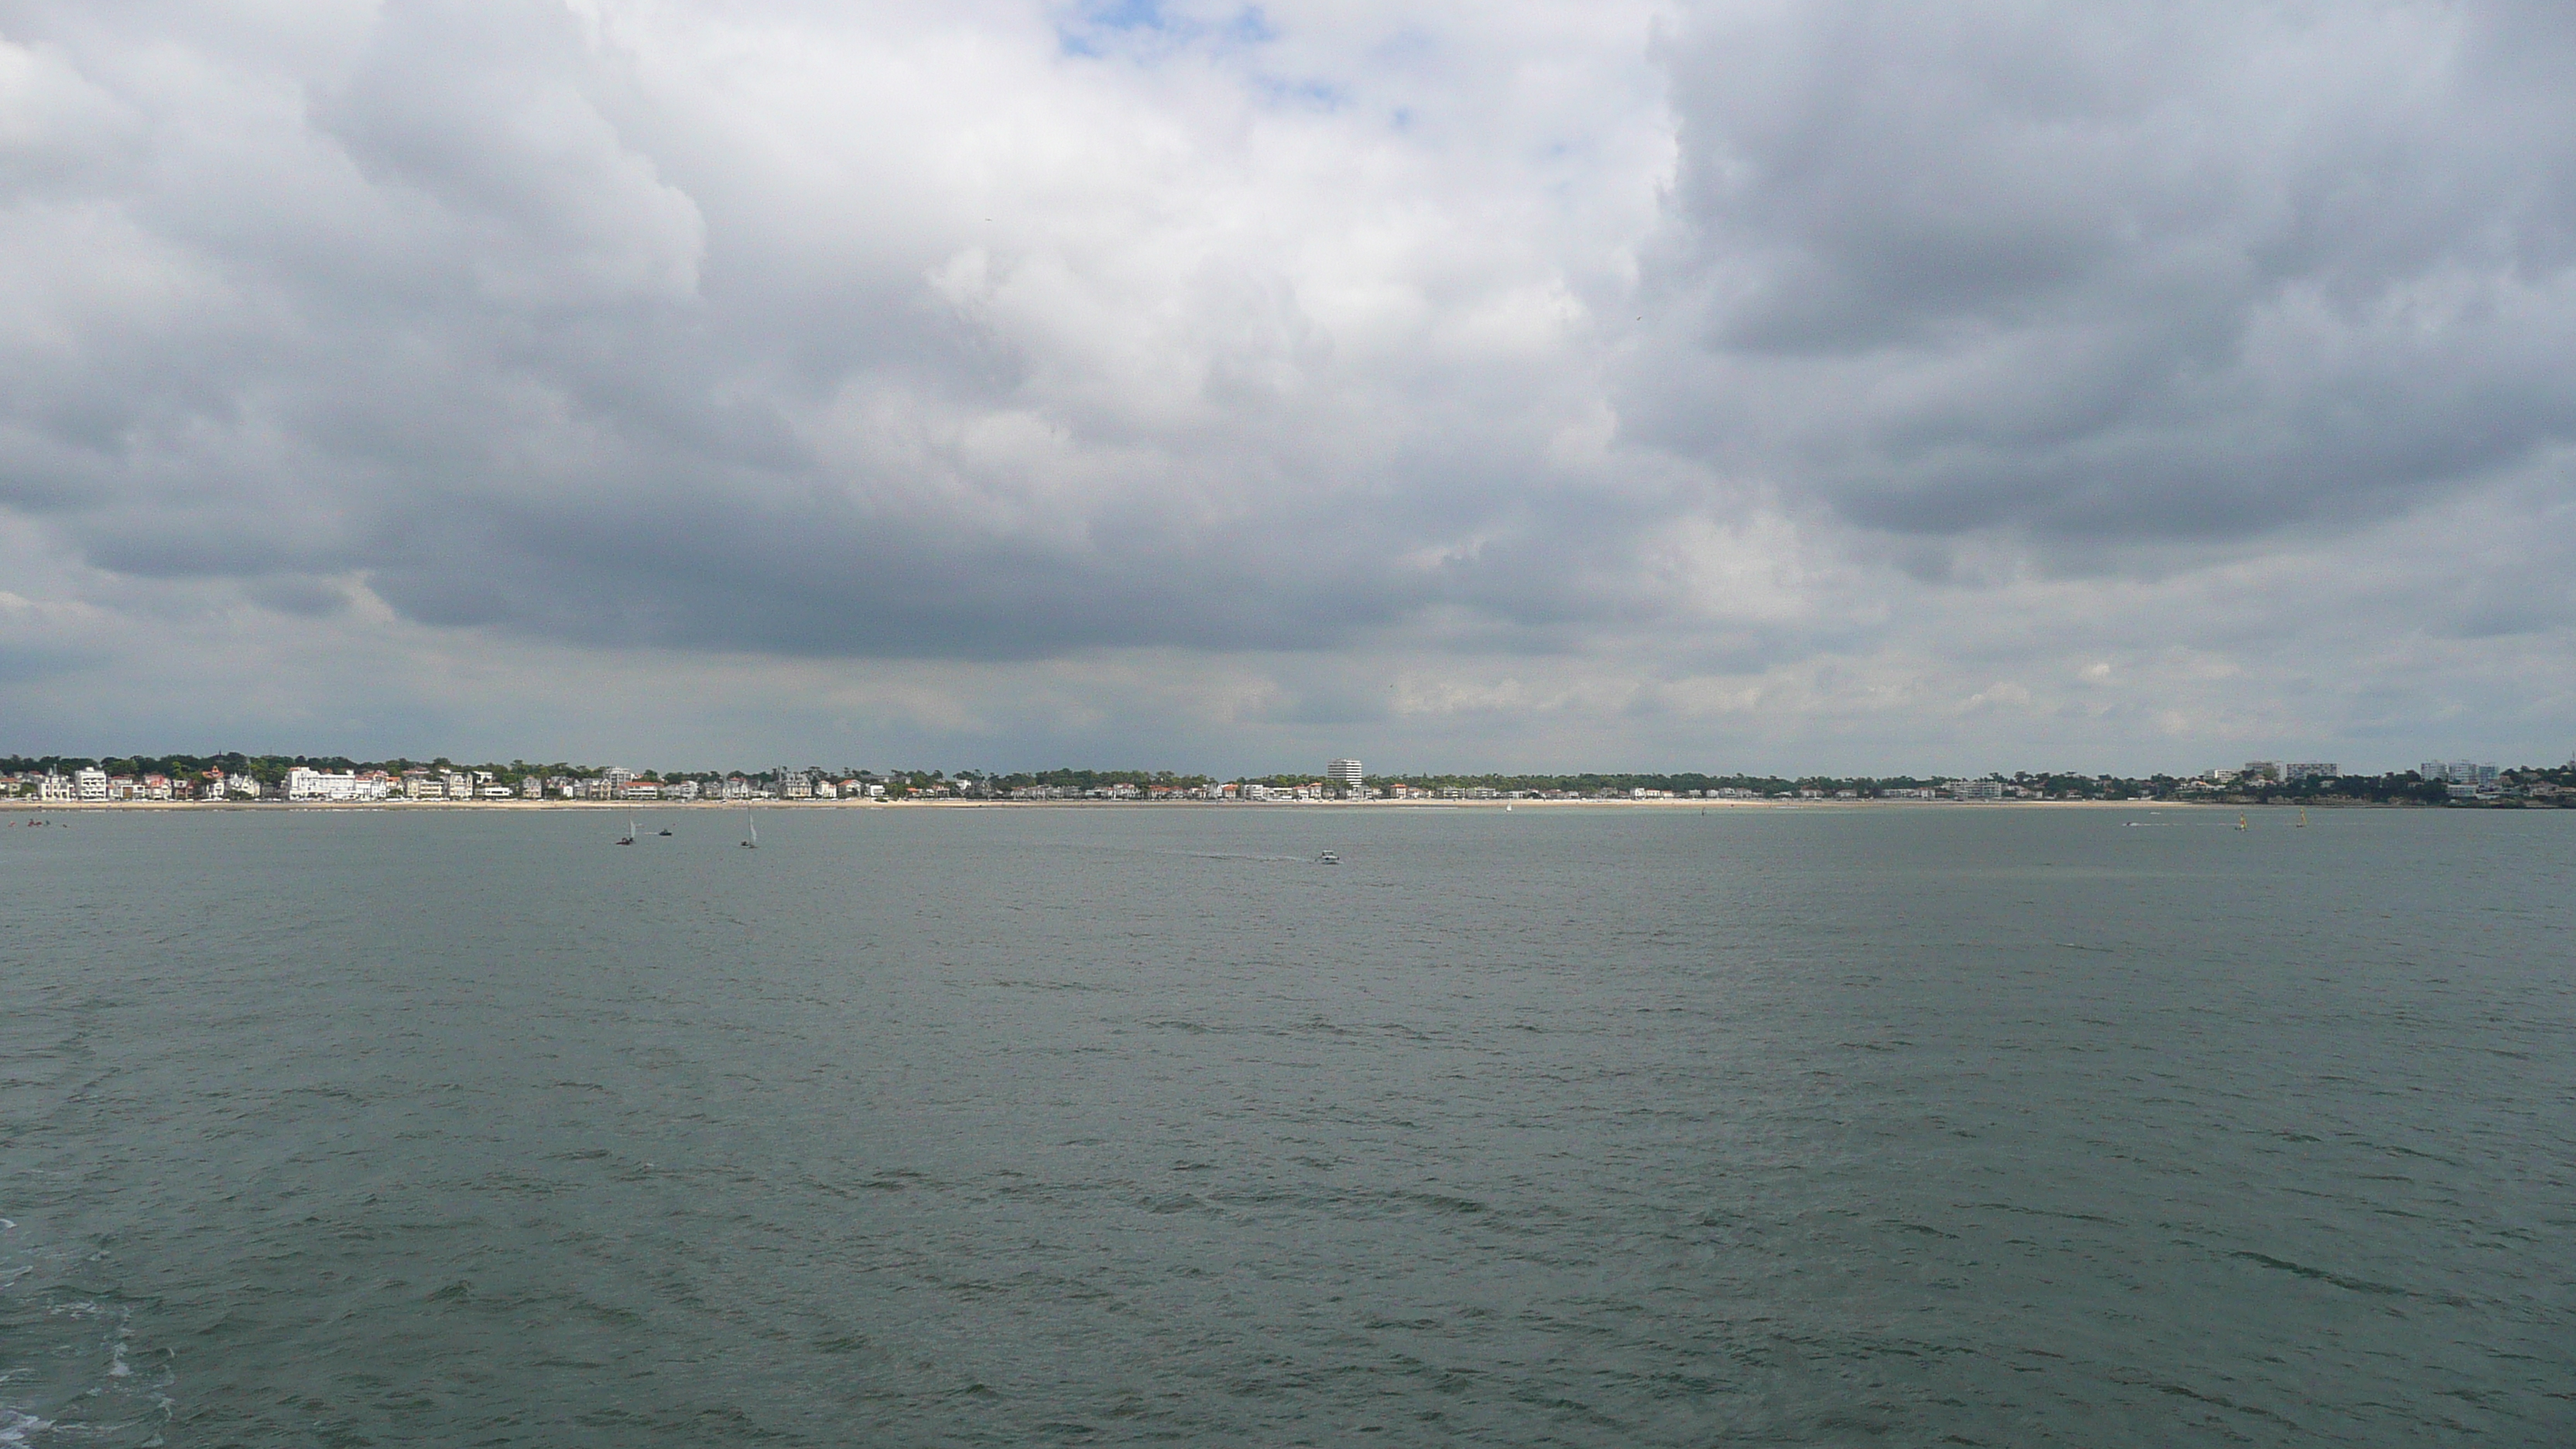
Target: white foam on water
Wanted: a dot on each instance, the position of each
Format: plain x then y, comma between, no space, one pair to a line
15,1426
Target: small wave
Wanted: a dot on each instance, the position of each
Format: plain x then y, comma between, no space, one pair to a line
2184,1391
2352,1285
15,1427
2006,1207
2394,1150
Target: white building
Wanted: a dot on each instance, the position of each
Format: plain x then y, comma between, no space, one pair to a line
54,789
2310,770
1976,790
89,784
243,786
1346,773
532,787
309,784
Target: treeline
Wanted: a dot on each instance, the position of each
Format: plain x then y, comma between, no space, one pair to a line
1594,783
1069,778
269,769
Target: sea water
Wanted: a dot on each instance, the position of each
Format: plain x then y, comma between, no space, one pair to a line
1625,1126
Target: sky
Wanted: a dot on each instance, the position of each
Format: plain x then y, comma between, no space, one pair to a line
1820,387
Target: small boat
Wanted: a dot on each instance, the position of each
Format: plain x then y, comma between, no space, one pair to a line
754,842
629,837
666,830
2303,817
1328,858
2240,822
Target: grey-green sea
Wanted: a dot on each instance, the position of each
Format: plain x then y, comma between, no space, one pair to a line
1619,1127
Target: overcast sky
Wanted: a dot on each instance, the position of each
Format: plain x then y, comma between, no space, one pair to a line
991,383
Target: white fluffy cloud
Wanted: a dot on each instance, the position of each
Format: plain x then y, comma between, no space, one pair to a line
1843,386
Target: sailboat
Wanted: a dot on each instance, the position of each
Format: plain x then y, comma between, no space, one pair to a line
2303,817
2240,822
629,837
754,842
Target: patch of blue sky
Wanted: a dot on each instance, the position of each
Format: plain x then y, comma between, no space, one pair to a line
1128,15
1316,95
1097,28
1250,27
1145,30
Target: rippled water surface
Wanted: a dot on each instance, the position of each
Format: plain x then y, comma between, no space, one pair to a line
1601,1127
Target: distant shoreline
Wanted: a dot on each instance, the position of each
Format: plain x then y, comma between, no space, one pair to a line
631,806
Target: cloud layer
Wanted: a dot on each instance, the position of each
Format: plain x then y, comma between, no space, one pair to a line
1853,386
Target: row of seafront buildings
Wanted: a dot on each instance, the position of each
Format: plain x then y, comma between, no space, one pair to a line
94,786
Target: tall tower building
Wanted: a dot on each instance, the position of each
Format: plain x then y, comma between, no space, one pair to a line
1344,772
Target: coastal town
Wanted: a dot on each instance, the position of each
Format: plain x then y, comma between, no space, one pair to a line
235,779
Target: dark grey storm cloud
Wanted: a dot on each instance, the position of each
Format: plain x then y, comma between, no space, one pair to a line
2120,272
